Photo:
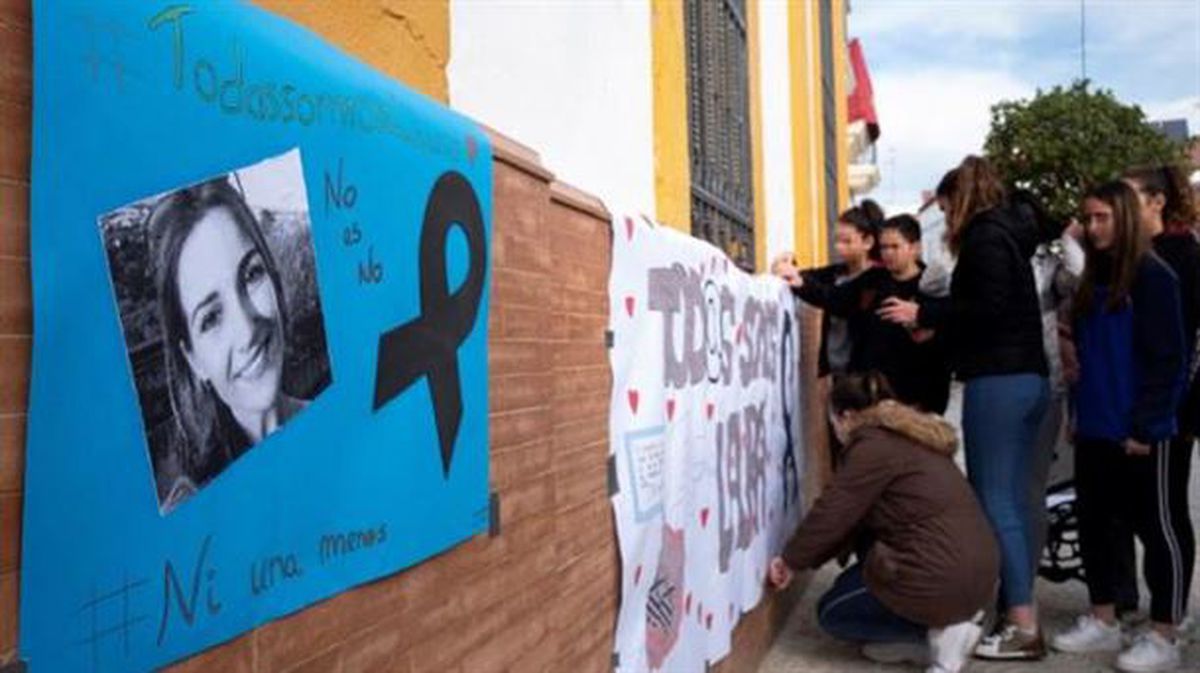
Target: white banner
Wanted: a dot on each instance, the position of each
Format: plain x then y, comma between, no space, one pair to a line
705,442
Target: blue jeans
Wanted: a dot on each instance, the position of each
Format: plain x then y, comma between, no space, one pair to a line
848,611
1001,418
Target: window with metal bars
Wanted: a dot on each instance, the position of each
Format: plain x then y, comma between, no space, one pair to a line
719,127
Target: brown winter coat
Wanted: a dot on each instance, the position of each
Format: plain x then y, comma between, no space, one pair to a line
934,559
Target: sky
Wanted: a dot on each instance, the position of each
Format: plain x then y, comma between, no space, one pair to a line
937,66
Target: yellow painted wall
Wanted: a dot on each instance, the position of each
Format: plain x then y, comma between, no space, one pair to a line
672,186
841,64
406,39
808,155
808,132
754,49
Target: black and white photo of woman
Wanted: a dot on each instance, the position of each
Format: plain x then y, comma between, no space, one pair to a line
205,305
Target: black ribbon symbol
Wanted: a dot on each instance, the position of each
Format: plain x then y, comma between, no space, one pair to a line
791,478
428,344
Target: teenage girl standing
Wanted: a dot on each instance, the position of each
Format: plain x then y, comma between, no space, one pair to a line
1168,216
1130,344
855,239
994,324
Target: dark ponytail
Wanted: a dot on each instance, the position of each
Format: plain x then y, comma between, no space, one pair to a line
855,392
866,218
1170,181
873,211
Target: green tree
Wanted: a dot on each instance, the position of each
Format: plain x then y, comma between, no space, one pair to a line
1063,140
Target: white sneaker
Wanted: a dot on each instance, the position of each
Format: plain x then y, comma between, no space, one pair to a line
1150,653
952,645
897,653
1089,635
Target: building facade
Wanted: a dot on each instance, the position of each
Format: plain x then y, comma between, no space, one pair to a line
724,118
730,119
727,119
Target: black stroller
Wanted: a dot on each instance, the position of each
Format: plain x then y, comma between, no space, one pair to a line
1061,559
1061,556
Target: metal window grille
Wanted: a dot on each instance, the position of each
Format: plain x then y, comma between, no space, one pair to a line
719,127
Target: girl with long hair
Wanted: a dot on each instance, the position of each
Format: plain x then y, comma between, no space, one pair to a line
224,320
1167,212
1129,339
994,324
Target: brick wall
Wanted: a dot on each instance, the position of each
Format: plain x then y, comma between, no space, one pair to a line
541,596
15,314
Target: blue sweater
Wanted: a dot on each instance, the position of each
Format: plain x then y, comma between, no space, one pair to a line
1132,360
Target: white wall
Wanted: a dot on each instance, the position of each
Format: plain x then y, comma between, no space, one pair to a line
572,80
777,128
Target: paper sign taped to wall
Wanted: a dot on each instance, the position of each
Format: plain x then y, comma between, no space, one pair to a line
260,280
704,430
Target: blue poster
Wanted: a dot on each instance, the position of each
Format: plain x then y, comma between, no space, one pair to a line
260,282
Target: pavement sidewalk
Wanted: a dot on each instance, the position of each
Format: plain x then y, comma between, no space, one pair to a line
803,648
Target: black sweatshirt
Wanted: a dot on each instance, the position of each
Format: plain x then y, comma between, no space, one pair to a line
830,275
1182,253
918,372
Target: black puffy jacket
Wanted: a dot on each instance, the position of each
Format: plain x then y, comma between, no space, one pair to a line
992,318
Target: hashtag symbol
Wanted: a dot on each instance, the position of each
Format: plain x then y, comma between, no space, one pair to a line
109,617
97,57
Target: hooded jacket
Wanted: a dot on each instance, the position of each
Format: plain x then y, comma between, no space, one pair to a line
993,318
934,559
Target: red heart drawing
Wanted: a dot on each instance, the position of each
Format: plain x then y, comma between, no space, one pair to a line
633,400
704,518
629,305
687,604
670,409
708,621
629,228
637,575
708,410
